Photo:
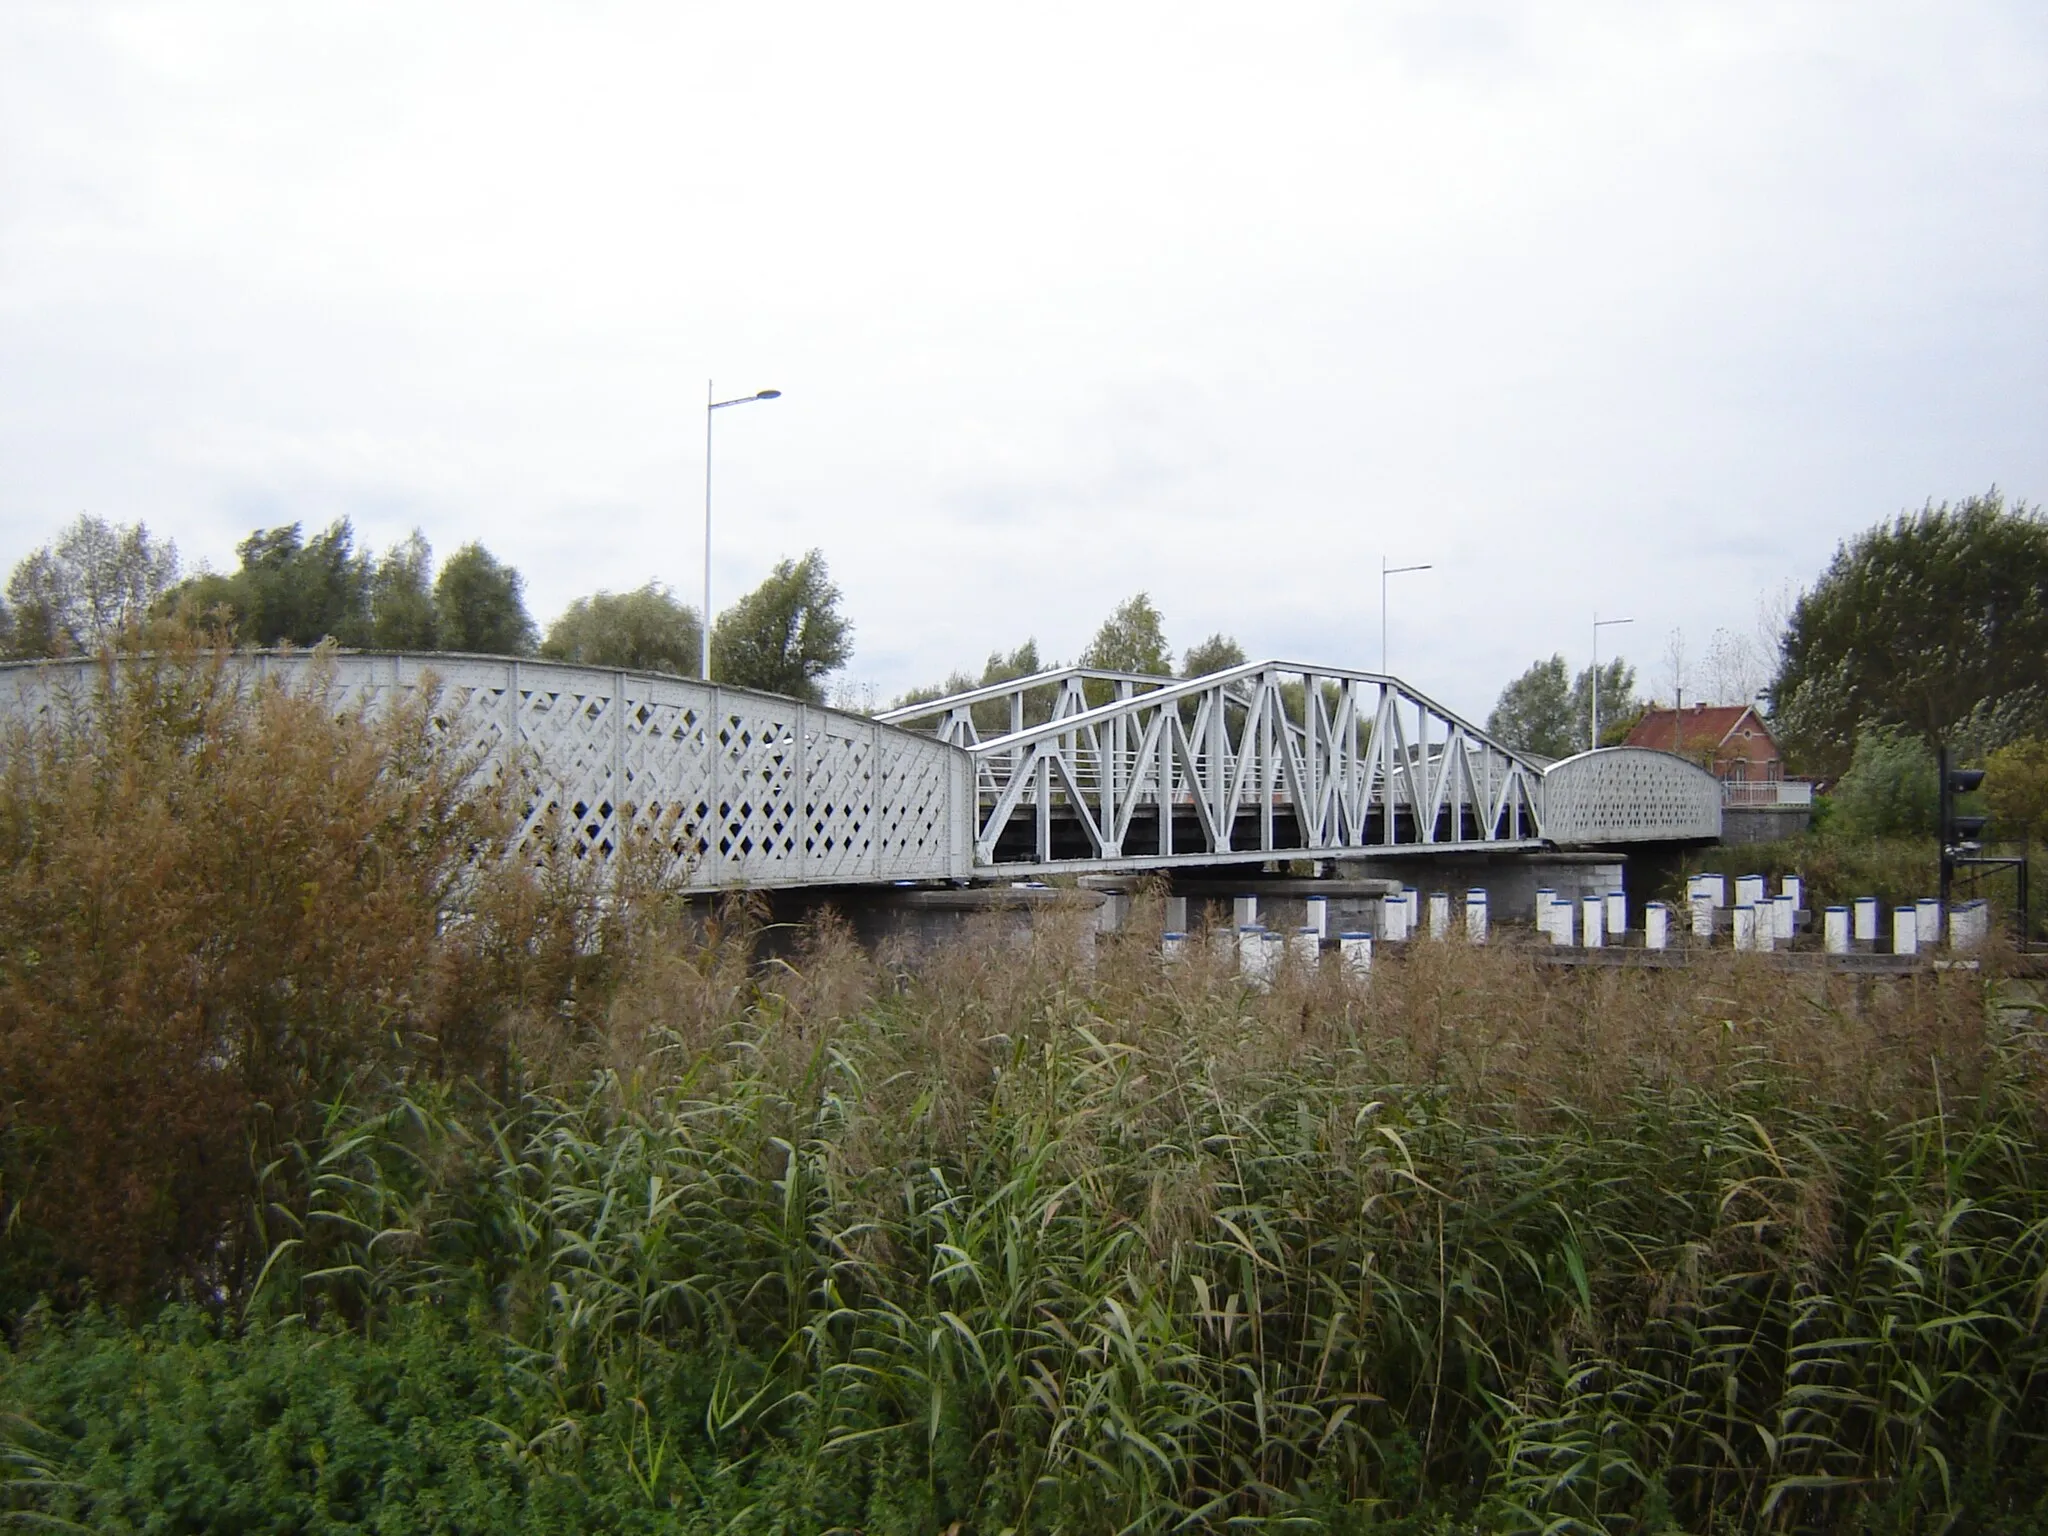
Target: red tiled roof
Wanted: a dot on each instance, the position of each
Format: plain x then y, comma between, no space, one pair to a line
1701,728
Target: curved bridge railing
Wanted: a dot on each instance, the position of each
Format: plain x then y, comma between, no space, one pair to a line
756,790
1629,795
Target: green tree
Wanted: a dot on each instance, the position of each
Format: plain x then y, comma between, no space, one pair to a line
1131,639
1542,712
288,589
1534,712
402,597
80,592
480,605
1619,706
1212,655
1892,787
1928,623
645,630
786,636
2016,791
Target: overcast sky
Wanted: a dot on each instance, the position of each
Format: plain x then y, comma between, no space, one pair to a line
1633,307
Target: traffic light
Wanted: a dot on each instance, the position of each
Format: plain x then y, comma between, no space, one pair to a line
1959,834
1962,841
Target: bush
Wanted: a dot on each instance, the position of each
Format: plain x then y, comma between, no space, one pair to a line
221,904
1892,788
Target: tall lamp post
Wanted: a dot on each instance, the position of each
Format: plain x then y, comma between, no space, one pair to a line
711,404
1593,745
1386,571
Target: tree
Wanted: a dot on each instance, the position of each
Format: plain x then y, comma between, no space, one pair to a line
1892,787
1541,712
786,635
288,590
402,597
1534,712
2016,791
1925,623
1212,655
1619,707
480,605
80,592
1131,640
645,630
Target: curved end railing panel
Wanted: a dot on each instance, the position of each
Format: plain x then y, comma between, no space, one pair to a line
1629,795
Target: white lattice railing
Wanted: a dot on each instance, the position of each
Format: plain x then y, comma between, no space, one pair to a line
754,790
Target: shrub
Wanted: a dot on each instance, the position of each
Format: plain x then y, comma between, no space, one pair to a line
1892,788
221,903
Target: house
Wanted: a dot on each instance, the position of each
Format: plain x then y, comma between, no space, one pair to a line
1732,742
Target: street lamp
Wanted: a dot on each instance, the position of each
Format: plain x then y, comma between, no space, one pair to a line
711,403
1598,625
1386,571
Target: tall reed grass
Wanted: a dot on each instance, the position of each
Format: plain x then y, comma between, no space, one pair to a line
1032,1244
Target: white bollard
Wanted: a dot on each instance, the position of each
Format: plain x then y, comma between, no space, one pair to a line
1716,887
1244,912
1928,925
1617,915
1784,920
1475,915
1172,946
1394,919
1656,926
1561,921
1439,914
1749,890
1745,926
1223,943
1905,931
1177,914
1544,897
1596,921
1970,924
1414,899
1251,949
1702,916
1316,914
1357,951
1306,947
1865,929
1836,924
1793,886
1766,927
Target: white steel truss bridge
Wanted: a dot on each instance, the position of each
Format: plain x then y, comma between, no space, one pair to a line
1073,769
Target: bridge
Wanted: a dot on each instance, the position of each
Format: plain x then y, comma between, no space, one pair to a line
1070,770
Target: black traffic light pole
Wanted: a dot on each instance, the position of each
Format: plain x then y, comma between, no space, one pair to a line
1962,840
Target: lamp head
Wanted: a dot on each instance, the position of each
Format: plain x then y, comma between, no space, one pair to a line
769,394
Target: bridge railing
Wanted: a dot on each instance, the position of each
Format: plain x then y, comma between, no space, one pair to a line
749,789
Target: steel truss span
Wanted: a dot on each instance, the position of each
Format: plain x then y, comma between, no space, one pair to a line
1073,769
749,790
1078,768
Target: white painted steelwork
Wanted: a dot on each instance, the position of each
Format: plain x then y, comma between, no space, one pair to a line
1629,794
751,790
1265,760
1069,770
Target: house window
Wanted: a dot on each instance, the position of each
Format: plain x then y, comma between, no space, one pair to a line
1738,771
